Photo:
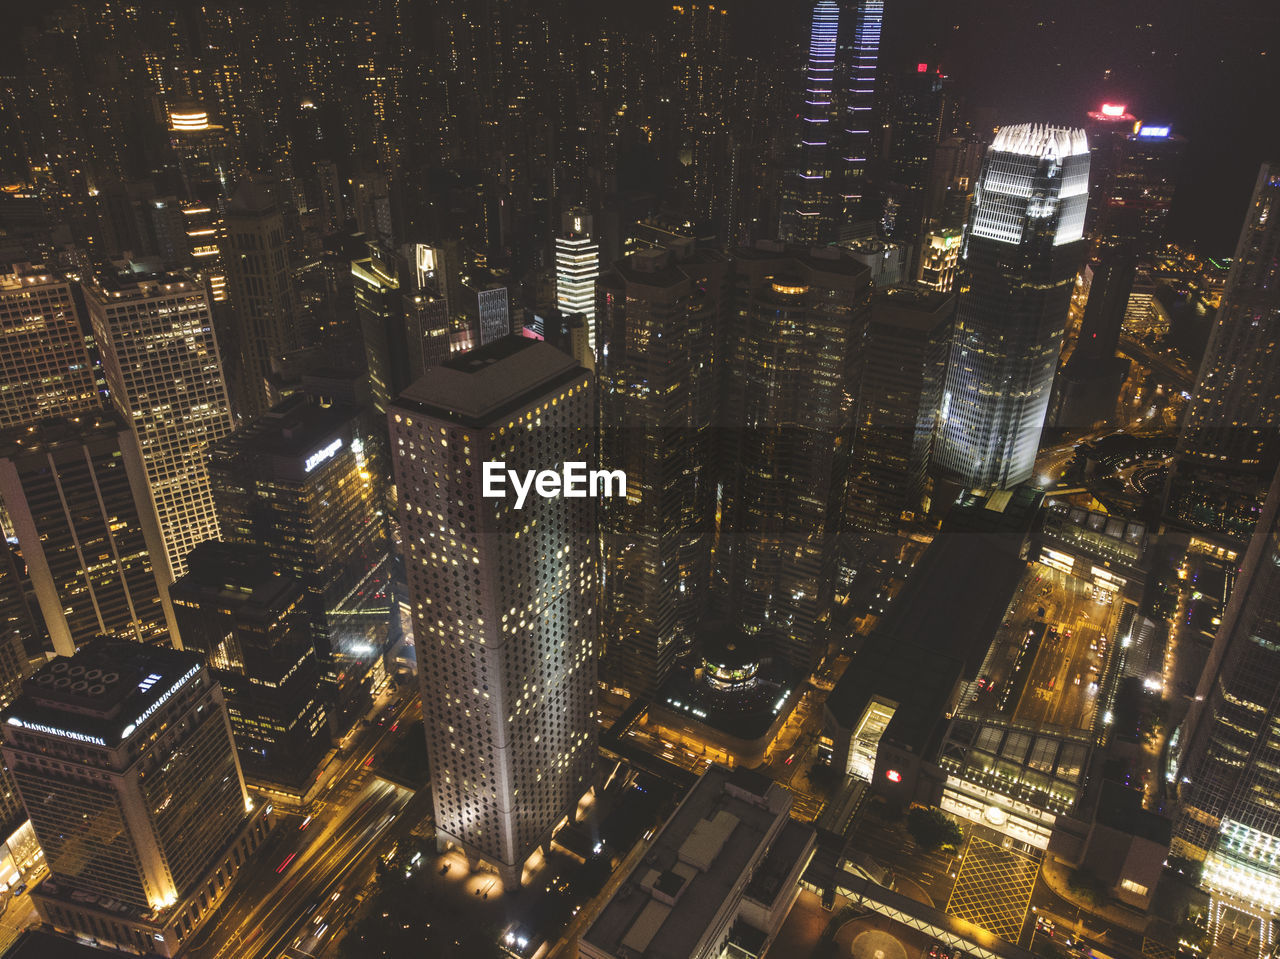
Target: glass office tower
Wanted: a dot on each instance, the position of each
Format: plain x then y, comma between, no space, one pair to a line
1023,248
1230,768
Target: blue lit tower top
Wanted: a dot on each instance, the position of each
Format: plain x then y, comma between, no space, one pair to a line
809,207
1022,250
860,103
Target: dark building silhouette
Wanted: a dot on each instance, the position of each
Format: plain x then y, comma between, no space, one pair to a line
250,624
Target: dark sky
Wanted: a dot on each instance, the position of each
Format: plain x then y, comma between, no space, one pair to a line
1209,68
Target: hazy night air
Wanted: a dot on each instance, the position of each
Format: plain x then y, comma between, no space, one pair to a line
702,479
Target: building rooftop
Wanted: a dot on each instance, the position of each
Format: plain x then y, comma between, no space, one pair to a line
669,898
920,681
955,598
1120,808
241,576
1007,513
662,266
479,387
1041,140
134,280
820,259
103,692
251,198
298,427
18,276
912,307
49,434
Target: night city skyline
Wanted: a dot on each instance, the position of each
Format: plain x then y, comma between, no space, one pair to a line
689,479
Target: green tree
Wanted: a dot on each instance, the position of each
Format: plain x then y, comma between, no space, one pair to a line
933,829
1087,886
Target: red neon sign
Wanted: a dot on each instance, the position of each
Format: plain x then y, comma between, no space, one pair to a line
1113,110
893,775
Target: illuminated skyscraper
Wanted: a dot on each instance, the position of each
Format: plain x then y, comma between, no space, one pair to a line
1105,129
659,317
1230,439
787,429
43,362
76,494
125,763
1233,421
940,259
577,266
1022,250
1133,173
811,189
162,364
256,257
1230,764
858,146
503,598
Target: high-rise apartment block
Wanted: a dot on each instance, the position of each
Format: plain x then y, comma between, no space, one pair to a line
162,364
124,760
1022,250
76,493
659,317
503,597
44,366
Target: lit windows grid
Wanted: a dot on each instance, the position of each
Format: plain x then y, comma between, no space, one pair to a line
162,363
510,700
43,360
